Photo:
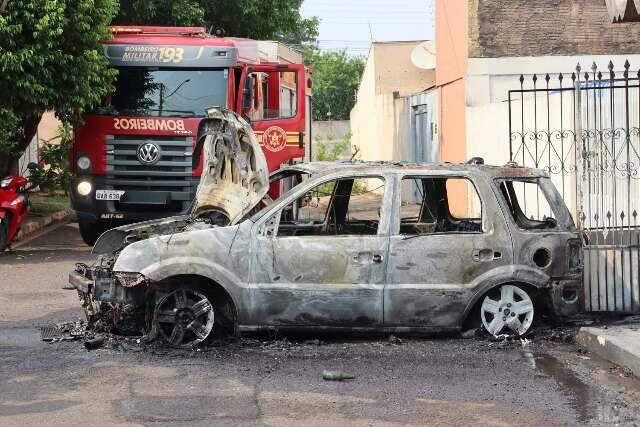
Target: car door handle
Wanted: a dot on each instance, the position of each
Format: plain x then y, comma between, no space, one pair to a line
483,255
377,258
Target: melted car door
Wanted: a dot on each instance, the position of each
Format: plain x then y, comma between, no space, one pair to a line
449,232
320,260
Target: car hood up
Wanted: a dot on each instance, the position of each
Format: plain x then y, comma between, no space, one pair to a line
234,179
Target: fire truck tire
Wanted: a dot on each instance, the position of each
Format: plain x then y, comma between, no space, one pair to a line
90,231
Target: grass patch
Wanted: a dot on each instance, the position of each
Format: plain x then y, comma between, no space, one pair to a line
49,203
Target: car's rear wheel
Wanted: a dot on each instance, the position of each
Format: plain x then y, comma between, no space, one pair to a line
507,309
184,317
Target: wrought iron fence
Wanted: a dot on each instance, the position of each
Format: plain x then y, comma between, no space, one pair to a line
584,130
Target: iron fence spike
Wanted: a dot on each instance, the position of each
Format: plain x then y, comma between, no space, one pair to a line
627,64
573,76
610,65
521,78
594,66
560,77
578,68
547,78
599,75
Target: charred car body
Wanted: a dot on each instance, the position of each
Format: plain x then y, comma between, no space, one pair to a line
385,246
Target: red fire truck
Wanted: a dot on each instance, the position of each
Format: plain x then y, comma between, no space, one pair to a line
133,156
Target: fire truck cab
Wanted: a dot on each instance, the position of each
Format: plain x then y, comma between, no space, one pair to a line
133,158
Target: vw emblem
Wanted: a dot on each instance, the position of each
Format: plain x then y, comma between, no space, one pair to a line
148,153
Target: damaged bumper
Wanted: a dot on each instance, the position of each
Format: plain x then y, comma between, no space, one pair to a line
566,297
97,285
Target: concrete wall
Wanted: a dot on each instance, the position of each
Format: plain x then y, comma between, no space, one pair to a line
502,28
330,133
47,130
451,69
381,119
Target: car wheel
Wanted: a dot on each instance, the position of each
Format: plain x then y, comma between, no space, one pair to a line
4,236
90,231
507,309
184,317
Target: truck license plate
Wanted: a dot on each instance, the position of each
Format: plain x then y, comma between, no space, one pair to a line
109,194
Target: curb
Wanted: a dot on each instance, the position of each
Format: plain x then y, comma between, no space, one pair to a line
36,224
620,345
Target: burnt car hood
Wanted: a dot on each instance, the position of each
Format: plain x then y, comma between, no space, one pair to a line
234,179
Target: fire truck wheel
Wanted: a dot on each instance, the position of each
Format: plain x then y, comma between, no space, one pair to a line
4,236
90,231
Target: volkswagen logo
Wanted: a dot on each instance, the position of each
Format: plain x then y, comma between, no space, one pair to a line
148,153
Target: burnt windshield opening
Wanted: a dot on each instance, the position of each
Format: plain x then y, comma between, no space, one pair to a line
152,91
528,204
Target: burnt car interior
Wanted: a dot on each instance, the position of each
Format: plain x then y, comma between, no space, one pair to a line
348,206
439,205
537,214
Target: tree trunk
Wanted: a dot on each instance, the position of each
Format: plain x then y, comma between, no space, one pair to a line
29,130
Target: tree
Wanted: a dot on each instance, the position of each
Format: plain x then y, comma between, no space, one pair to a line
50,59
336,77
256,19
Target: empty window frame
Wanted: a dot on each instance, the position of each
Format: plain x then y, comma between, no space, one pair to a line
439,205
347,206
528,204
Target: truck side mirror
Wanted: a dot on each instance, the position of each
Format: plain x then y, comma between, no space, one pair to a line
247,93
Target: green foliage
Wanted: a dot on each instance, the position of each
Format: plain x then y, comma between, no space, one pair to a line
257,19
51,59
49,203
56,172
324,153
336,77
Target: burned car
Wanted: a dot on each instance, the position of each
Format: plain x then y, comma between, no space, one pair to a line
351,246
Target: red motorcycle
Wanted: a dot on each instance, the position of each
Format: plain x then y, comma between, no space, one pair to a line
14,206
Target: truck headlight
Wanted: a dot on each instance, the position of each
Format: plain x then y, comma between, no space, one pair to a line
5,182
84,188
83,162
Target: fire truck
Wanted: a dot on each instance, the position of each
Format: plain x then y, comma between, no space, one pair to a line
133,157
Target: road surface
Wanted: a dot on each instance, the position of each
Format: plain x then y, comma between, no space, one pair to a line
264,380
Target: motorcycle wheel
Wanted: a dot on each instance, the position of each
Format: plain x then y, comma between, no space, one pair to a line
90,231
4,236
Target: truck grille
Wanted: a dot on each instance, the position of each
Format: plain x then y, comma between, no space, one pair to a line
171,173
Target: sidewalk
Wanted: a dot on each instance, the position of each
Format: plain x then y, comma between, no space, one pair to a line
619,344
35,223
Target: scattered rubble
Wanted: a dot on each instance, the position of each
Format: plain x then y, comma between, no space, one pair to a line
66,331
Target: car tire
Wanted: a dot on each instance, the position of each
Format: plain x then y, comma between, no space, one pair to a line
90,231
185,317
4,236
507,309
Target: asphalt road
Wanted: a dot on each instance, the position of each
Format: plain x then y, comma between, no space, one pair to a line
265,381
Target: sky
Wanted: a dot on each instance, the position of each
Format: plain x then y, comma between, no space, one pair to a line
353,24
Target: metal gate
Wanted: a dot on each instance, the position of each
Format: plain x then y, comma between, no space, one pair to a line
584,130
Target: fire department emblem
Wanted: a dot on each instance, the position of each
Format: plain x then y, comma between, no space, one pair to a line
274,139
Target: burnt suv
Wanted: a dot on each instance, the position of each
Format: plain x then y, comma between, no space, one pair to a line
357,245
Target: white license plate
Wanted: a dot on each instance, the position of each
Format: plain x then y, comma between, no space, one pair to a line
109,194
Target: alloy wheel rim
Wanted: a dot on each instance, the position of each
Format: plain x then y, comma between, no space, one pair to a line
184,317
513,310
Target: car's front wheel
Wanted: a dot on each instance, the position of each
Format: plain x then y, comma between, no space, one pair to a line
507,309
184,317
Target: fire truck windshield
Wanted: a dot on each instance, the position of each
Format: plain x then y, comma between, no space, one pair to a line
145,91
